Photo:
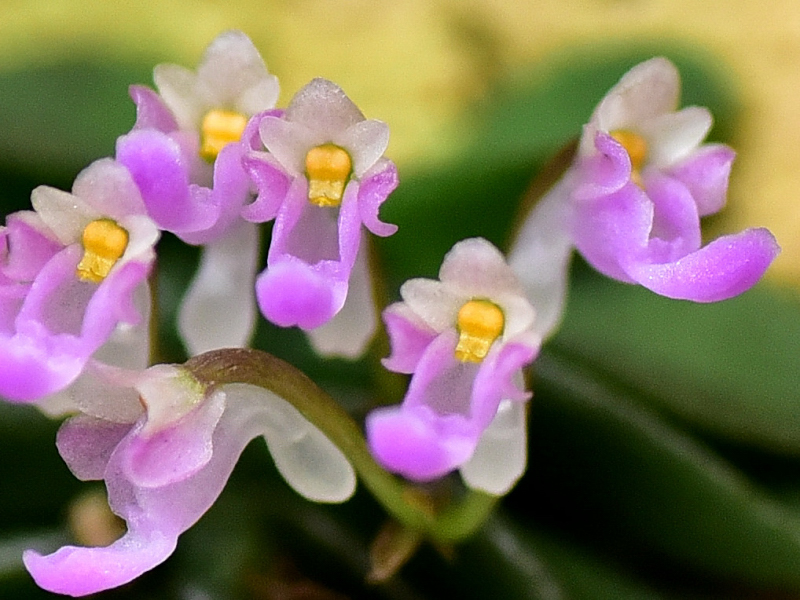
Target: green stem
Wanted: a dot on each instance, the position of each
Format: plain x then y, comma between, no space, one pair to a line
400,499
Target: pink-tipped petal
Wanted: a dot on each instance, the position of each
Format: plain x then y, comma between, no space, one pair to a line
724,268
408,442
292,294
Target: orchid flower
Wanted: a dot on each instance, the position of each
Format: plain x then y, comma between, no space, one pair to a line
631,203
465,339
185,154
164,468
72,274
321,177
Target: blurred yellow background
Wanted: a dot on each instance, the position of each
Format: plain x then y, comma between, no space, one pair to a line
417,64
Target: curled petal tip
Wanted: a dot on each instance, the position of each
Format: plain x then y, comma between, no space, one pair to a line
725,268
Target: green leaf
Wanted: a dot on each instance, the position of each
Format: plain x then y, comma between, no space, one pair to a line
612,458
729,368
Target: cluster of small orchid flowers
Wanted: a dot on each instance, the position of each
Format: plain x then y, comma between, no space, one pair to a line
209,159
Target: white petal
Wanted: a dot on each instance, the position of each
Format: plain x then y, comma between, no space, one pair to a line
674,136
433,302
366,141
178,88
502,453
649,89
474,267
66,215
143,234
308,460
323,107
219,309
519,314
350,331
108,187
261,95
170,393
233,75
540,256
288,142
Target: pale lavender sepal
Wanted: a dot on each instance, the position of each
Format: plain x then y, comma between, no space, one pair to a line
231,76
86,444
501,456
223,285
541,252
323,107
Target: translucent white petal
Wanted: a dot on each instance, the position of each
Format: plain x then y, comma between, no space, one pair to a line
322,106
178,88
366,141
66,215
288,142
219,309
109,189
143,234
169,394
349,332
435,303
501,456
262,95
308,460
674,136
649,89
232,70
540,256
475,267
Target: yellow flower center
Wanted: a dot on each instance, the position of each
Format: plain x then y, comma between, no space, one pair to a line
104,242
328,168
480,323
636,147
220,128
